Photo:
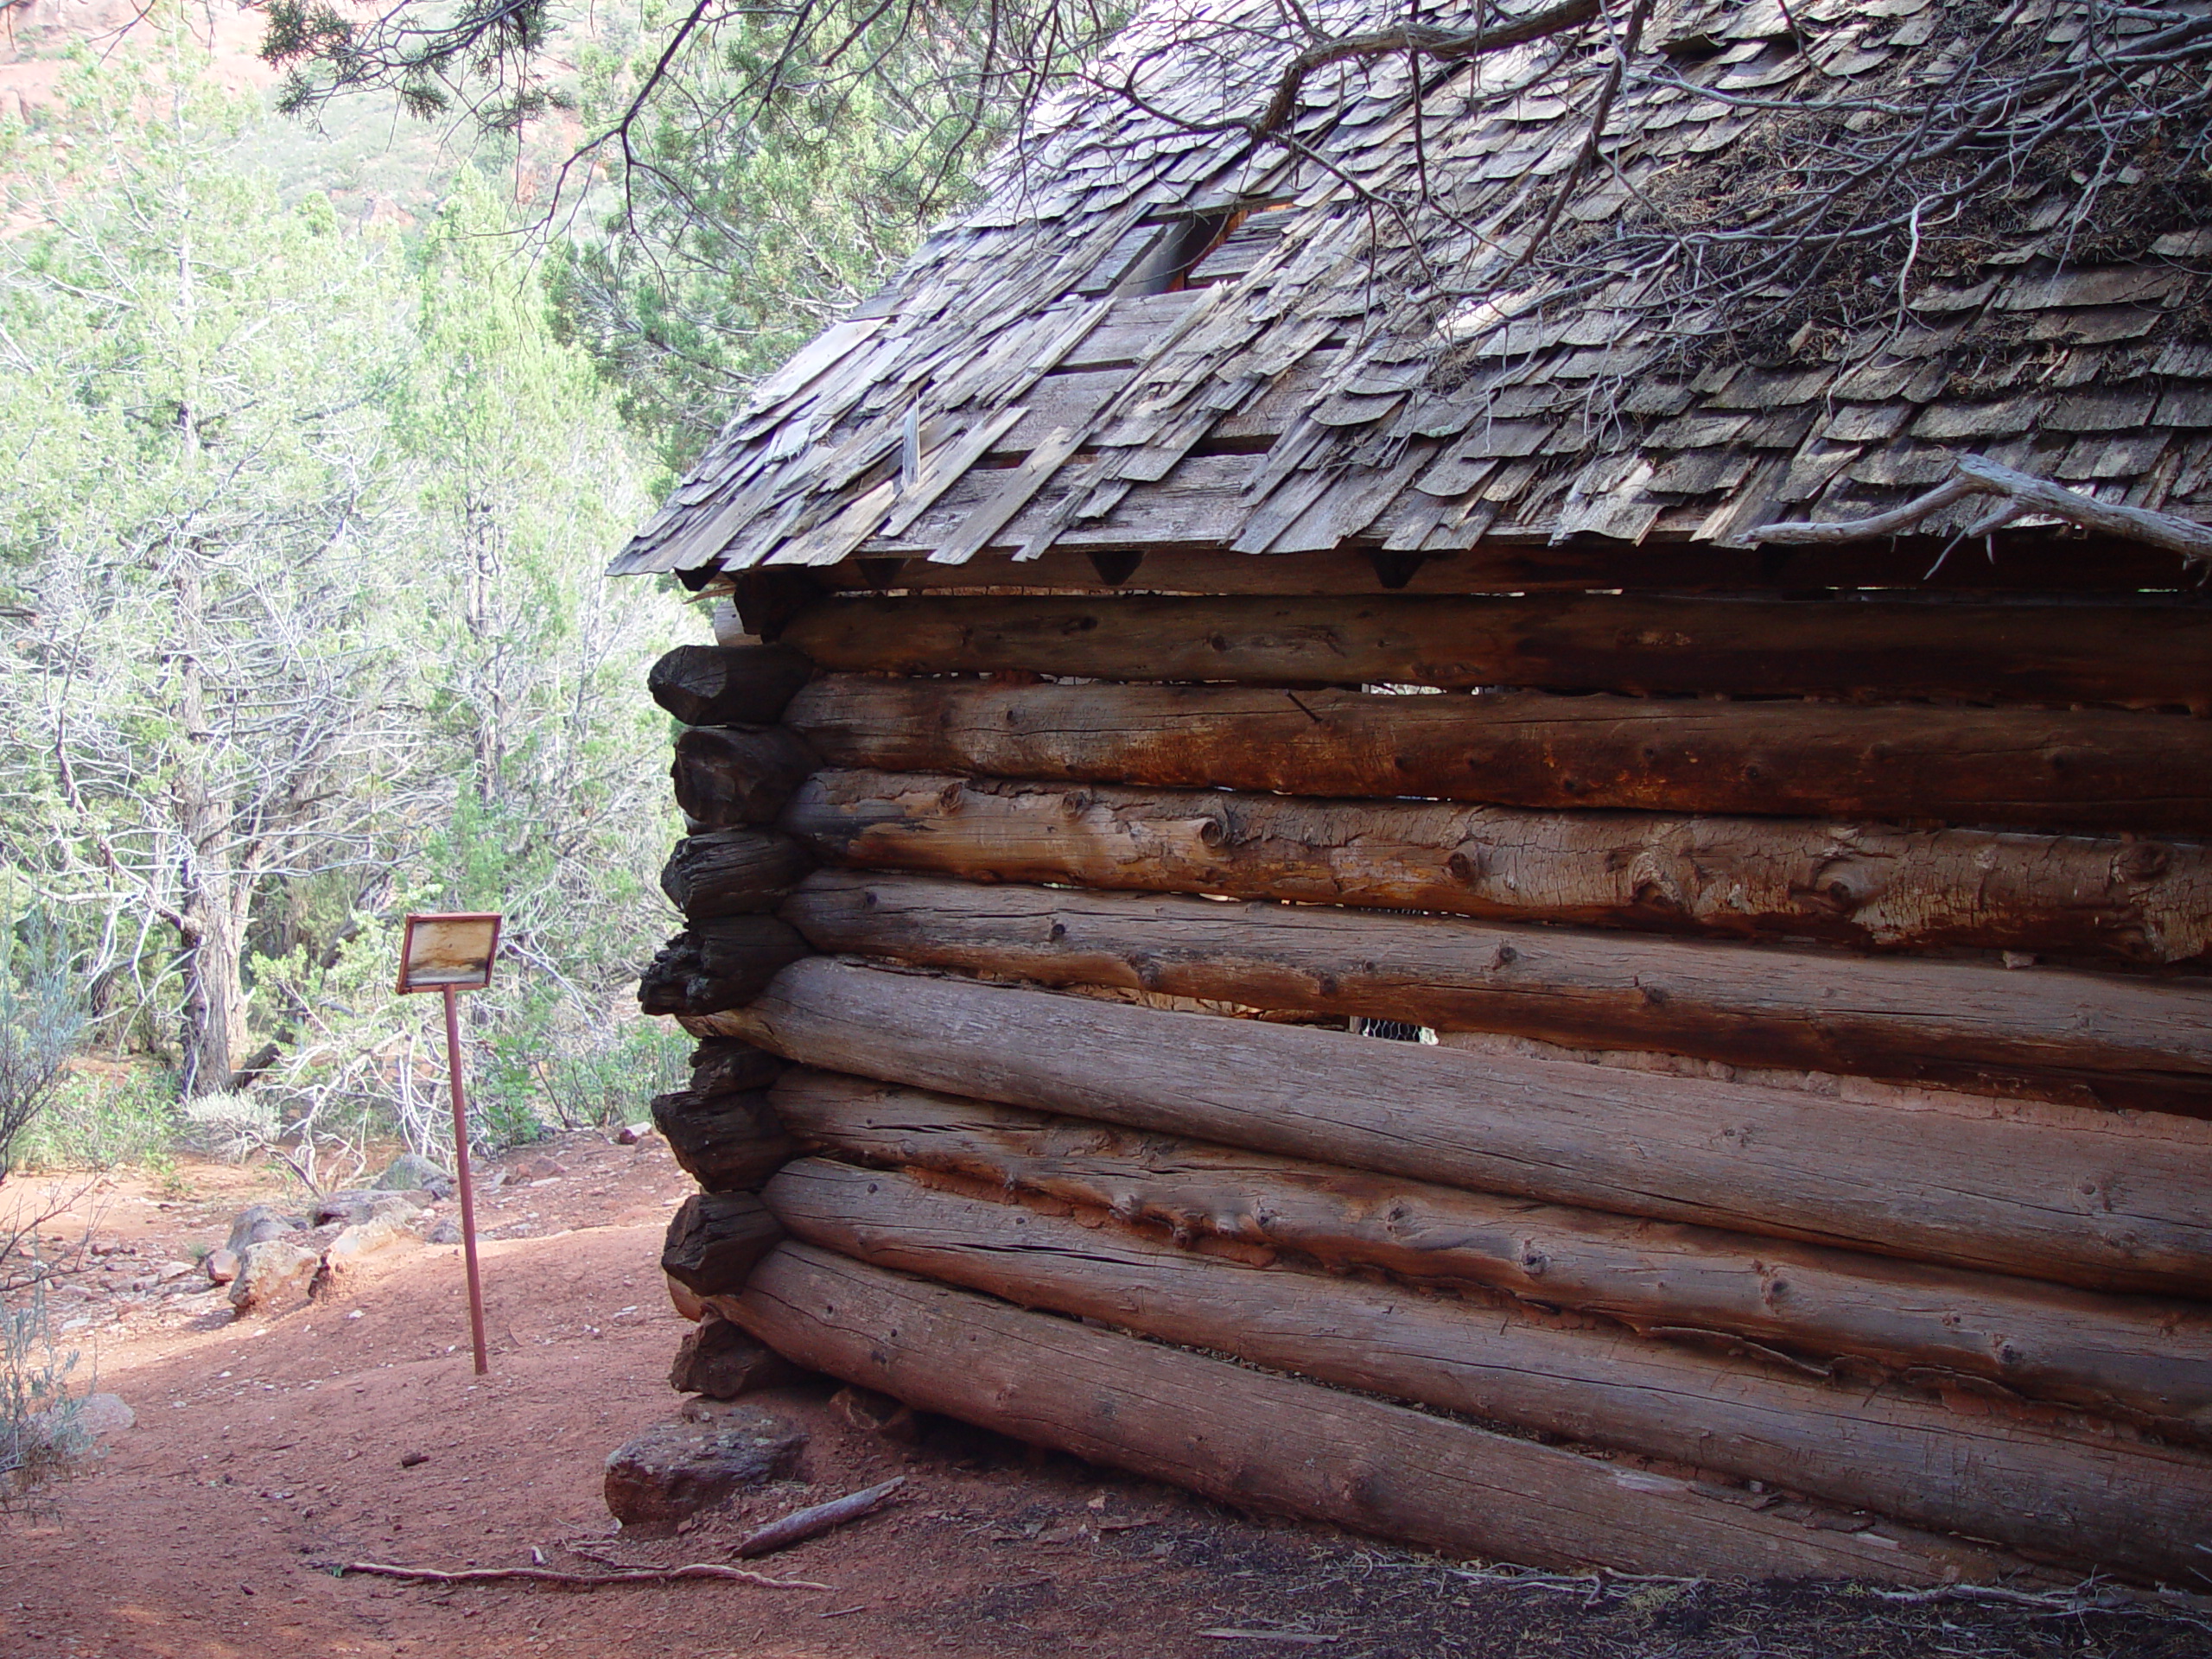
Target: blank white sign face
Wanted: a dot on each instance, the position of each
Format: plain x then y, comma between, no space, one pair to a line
449,950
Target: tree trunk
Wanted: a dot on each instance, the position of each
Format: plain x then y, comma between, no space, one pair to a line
2025,768
2150,1360
1246,1438
2094,1199
1859,885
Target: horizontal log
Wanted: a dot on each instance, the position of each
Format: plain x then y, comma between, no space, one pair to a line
2033,562
732,873
2088,1039
721,1066
2099,1502
1278,1444
2096,1198
728,777
2148,1361
727,1143
714,1240
721,964
2139,655
728,685
2026,768
1867,886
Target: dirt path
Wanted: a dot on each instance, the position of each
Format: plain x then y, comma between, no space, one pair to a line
353,1428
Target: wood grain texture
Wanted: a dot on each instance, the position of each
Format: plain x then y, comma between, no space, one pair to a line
721,1066
714,1240
728,685
2094,1199
1855,884
2023,768
711,966
726,777
2032,562
2135,656
726,1142
1278,1444
2088,1039
732,872
2147,1360
2107,1504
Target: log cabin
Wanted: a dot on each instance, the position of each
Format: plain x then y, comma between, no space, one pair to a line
1186,635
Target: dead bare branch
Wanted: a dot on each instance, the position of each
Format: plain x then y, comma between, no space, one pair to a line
576,1581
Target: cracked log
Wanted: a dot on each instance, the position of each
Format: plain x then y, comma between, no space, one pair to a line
728,685
726,1142
2106,1503
1852,884
732,873
2130,654
728,777
2090,1040
2023,768
1279,1443
714,1240
2099,1199
2150,1360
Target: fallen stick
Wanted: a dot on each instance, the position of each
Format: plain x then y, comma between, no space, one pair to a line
579,1581
803,1524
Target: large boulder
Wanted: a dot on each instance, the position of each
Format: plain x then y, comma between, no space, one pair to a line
673,1471
258,1224
355,1206
272,1273
410,1172
365,1238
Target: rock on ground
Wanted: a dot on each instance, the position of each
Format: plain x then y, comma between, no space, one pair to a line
673,1471
255,1224
409,1172
354,1206
276,1270
720,1360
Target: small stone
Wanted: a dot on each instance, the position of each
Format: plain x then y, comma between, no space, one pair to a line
445,1232
276,1270
222,1265
172,1271
877,1414
410,1172
631,1134
256,1224
722,1361
674,1470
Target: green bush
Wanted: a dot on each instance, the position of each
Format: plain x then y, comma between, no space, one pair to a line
101,1120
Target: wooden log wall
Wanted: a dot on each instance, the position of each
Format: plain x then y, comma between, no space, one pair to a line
955,859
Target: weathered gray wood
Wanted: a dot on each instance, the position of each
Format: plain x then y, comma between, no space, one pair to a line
2138,656
728,685
1279,1443
714,1240
2147,1360
2088,1039
2096,1198
731,872
2027,562
721,964
727,1143
2106,1502
2025,768
1861,884
719,1066
728,777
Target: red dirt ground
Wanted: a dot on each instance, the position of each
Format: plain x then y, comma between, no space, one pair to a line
269,1451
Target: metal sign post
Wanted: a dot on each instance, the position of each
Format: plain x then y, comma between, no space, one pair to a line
452,952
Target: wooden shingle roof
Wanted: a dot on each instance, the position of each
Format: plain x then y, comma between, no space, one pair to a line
1313,381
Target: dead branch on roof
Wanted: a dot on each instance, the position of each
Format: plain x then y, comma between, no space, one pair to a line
2019,494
